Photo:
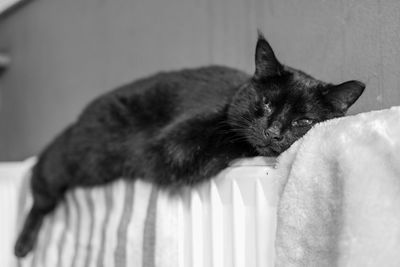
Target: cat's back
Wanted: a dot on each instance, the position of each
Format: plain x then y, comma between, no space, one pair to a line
165,95
195,85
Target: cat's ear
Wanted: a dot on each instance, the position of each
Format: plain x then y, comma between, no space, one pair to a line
344,95
266,63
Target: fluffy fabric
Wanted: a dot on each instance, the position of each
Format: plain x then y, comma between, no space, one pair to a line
340,194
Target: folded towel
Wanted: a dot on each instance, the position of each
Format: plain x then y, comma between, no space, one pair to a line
340,194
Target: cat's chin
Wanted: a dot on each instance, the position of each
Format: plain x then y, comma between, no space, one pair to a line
268,151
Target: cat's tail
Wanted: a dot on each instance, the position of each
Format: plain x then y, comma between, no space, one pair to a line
46,193
28,236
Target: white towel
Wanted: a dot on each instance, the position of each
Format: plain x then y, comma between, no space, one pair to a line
340,205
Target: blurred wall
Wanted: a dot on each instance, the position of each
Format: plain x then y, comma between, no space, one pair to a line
66,52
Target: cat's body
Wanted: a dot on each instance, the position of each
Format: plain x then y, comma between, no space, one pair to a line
182,127
145,129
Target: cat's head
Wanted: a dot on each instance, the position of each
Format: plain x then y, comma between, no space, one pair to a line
280,104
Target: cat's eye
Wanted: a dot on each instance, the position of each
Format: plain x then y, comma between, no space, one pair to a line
302,123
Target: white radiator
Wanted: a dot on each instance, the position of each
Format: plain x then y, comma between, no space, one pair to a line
229,221
11,174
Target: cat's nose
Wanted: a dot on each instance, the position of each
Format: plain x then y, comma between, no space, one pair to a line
275,127
277,138
273,135
274,130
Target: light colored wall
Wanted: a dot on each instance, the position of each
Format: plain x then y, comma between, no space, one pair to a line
66,52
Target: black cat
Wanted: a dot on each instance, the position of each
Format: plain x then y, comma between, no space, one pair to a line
180,128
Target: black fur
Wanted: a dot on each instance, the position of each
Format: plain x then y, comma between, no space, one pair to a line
181,128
